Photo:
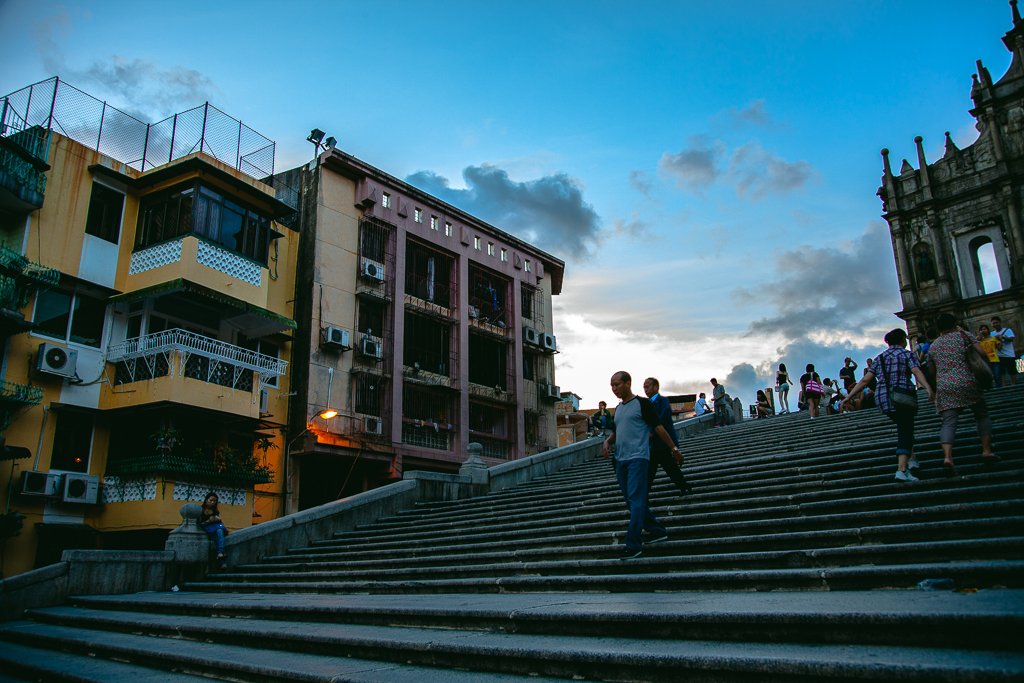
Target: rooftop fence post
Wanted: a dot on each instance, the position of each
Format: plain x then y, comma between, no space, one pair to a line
3,119
53,102
99,135
238,154
145,148
28,105
202,138
174,127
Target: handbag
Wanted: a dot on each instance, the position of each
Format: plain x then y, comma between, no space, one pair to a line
903,399
813,386
980,368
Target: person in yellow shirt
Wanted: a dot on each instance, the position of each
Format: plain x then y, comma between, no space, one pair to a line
988,343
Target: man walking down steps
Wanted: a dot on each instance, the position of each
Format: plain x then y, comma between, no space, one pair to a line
635,418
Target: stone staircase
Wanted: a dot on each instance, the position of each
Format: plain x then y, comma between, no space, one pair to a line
790,560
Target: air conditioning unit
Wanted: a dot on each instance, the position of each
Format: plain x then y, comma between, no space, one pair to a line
474,312
264,402
551,392
57,360
373,270
334,338
371,348
548,342
80,488
531,336
371,425
40,484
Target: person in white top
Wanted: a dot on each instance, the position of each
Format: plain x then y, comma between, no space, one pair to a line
1004,350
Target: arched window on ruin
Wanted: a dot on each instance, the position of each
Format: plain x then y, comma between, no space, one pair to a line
924,263
985,266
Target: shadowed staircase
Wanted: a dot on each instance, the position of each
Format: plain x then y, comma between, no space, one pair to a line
790,560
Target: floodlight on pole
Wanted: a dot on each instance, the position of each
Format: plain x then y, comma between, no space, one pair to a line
329,412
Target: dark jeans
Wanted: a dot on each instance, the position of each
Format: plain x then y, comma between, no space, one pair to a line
997,374
904,431
632,477
664,458
218,538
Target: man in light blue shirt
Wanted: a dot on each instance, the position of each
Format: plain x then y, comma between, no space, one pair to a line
635,419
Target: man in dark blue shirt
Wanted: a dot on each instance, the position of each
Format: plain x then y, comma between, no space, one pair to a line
660,454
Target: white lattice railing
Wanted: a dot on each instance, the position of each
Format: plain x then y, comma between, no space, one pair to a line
185,344
156,256
229,263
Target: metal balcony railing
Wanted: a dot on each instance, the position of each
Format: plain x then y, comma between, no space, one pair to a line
14,397
199,357
19,277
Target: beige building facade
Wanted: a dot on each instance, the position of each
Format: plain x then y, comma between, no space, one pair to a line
425,329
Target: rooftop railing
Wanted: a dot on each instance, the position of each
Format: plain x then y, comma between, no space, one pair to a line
54,105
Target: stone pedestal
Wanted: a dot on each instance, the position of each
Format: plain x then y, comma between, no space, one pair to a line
188,542
474,467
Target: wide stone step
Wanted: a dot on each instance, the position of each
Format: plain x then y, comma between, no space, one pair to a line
588,561
566,656
599,509
238,662
37,664
981,574
846,471
683,526
987,620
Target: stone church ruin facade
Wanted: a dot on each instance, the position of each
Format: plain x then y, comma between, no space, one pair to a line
943,215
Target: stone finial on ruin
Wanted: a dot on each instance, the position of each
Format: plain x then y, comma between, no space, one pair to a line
951,147
919,141
1016,12
886,169
984,75
906,168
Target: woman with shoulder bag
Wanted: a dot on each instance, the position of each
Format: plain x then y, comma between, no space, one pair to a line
962,373
811,383
896,396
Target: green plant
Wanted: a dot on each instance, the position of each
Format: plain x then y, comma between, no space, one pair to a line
232,462
167,439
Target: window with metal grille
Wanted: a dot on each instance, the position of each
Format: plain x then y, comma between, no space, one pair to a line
429,273
487,362
368,389
371,317
427,344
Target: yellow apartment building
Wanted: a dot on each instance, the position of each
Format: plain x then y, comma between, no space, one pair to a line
146,283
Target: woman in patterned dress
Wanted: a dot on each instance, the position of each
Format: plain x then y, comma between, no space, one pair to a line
956,388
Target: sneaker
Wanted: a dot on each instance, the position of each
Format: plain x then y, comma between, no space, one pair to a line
656,537
905,476
630,554
913,464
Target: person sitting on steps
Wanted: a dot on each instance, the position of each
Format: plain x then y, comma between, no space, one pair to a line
212,524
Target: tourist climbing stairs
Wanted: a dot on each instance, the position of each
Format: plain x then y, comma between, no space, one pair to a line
797,556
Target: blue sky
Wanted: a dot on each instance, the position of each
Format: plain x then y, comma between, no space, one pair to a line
707,170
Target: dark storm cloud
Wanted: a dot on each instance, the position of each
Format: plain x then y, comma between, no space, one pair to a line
757,172
828,288
695,167
550,211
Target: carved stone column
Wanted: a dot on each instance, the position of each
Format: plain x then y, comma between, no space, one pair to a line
907,291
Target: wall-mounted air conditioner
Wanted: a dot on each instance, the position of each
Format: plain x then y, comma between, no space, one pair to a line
334,338
264,402
57,360
371,425
548,342
80,488
372,270
371,348
550,392
531,336
40,484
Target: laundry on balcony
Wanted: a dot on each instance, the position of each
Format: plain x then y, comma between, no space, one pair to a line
193,356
